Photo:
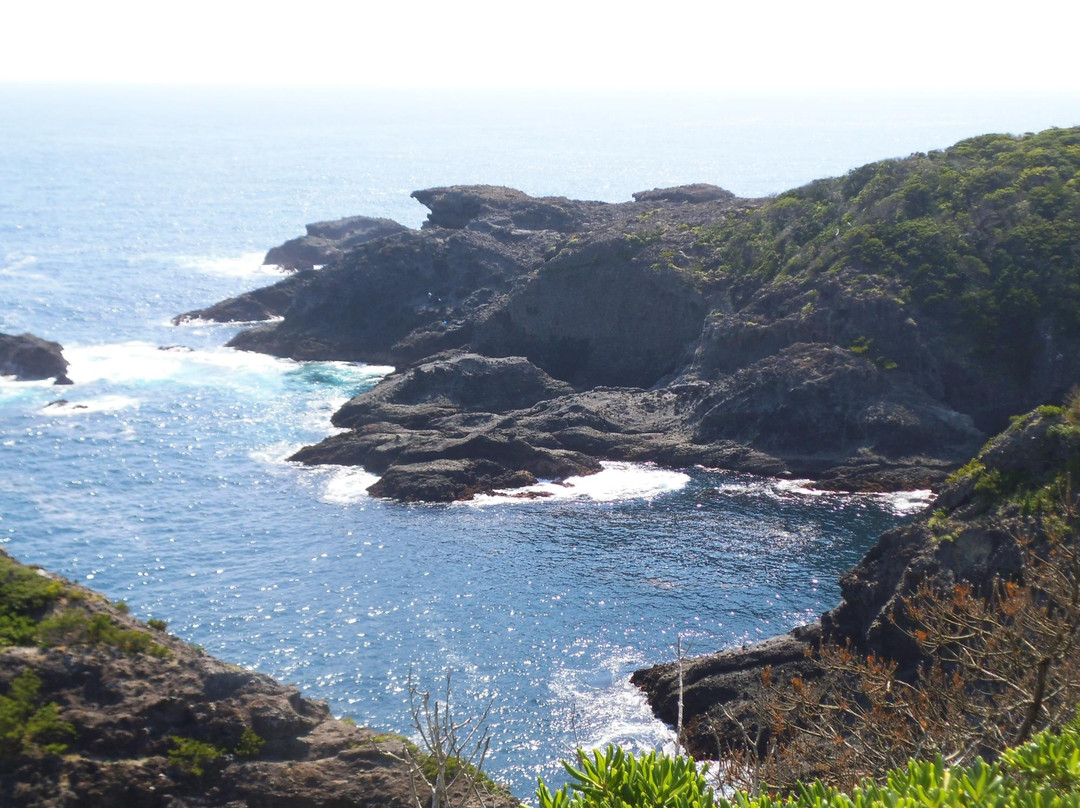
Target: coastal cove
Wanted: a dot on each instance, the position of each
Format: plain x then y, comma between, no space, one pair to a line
162,480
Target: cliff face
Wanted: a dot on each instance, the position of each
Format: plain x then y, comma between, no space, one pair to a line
153,721
971,535
847,331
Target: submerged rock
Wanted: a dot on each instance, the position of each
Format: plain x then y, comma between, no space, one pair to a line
30,358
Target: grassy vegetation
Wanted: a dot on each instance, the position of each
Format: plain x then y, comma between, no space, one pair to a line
1035,492
193,756
24,597
38,610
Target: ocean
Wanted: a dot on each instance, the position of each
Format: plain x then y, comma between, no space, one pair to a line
161,480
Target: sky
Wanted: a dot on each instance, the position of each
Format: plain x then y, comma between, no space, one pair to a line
774,45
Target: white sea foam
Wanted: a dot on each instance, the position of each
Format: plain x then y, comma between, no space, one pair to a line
346,485
617,482
276,454
245,265
899,502
17,266
142,361
606,708
903,502
199,322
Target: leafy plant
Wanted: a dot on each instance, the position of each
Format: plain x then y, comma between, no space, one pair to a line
614,778
24,595
1041,774
77,627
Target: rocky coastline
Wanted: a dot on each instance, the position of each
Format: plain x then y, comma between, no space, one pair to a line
153,721
869,332
972,534
850,331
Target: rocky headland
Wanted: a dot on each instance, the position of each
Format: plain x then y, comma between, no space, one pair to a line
868,332
100,709
31,358
975,533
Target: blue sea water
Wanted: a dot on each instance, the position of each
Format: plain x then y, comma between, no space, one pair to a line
162,481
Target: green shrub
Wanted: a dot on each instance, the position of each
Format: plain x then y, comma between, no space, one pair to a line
27,727
1043,773
192,756
614,778
249,745
156,624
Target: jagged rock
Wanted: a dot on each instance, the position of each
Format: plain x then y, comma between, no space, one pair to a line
327,241
447,480
451,383
30,358
698,192
264,303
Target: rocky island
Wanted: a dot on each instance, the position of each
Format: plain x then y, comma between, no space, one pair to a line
868,332
30,358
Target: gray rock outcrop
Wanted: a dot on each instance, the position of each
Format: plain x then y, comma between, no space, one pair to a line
30,358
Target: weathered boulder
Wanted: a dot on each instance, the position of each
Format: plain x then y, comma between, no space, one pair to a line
450,383
30,358
686,194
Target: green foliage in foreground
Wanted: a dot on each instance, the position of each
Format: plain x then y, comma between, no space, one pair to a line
26,726
613,778
1044,773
